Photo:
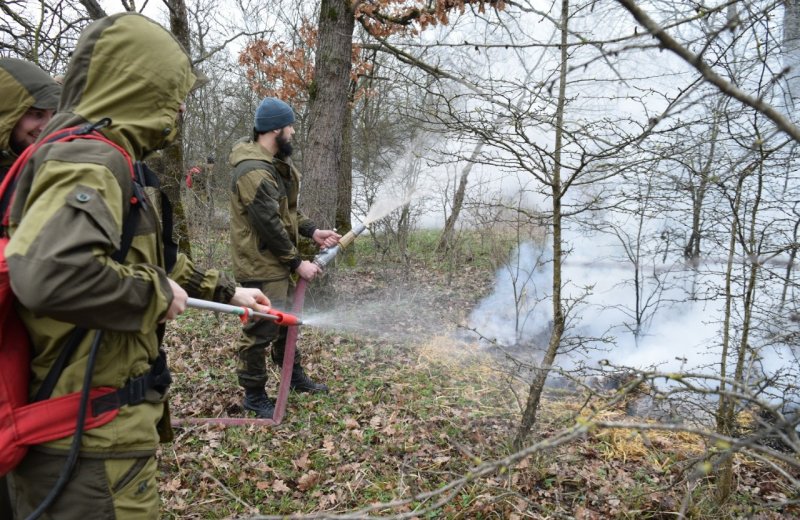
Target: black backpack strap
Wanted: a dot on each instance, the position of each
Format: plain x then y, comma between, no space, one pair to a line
129,226
74,339
150,387
149,178
170,247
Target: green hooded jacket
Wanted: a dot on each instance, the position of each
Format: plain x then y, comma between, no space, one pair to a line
23,85
66,222
265,221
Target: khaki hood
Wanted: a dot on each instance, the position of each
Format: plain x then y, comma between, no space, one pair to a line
130,69
22,85
245,149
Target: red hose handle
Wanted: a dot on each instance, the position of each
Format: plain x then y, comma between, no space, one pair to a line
284,319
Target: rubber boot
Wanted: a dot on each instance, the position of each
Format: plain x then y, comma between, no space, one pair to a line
302,383
256,400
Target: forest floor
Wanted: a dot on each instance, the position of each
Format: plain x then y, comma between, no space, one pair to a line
419,422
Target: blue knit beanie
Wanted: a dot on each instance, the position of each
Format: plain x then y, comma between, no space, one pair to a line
272,114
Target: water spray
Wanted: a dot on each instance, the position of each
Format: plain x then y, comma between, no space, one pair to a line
245,314
325,257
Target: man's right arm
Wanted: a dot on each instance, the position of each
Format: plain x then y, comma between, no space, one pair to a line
59,254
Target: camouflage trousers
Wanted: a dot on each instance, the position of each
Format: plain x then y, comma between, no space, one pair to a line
5,501
100,488
257,336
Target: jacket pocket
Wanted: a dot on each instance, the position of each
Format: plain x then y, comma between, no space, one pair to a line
89,202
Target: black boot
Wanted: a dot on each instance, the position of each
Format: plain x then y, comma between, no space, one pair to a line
256,400
302,383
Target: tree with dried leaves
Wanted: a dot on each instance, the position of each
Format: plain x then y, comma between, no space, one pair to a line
330,90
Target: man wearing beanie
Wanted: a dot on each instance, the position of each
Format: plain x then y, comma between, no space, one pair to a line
265,227
28,98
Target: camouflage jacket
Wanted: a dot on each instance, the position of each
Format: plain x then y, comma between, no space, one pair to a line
67,219
265,221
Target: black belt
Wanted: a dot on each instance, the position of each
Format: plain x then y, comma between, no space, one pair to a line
150,387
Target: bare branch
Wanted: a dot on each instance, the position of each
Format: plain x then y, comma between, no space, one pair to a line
696,61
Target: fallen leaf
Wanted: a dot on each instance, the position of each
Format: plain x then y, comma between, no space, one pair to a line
280,486
302,462
308,481
327,500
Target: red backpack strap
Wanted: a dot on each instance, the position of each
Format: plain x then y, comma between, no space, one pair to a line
87,131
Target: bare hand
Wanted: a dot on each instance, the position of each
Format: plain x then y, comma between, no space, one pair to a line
178,303
308,270
326,237
250,298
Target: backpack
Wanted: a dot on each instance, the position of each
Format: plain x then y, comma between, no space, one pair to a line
24,423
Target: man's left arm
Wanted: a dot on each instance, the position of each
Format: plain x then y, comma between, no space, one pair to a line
216,286
322,237
305,226
208,284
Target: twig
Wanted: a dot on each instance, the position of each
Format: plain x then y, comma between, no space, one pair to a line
229,492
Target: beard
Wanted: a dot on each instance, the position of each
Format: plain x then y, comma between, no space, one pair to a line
284,146
18,146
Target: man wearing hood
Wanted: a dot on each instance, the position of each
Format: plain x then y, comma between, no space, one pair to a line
28,98
65,224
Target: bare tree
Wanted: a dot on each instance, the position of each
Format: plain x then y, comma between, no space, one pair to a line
172,174
708,73
44,32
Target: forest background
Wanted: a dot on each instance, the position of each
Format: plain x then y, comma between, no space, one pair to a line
583,227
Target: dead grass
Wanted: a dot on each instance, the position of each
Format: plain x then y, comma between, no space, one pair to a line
412,408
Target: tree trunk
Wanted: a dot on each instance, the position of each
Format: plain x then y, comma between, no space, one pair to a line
172,174
692,249
559,319
791,55
446,239
344,199
789,263
726,418
724,421
328,107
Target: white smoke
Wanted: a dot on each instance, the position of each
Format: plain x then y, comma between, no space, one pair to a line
677,332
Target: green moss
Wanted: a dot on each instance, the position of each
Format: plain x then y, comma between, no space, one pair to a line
332,13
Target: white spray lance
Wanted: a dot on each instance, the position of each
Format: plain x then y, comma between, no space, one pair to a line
280,318
325,257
